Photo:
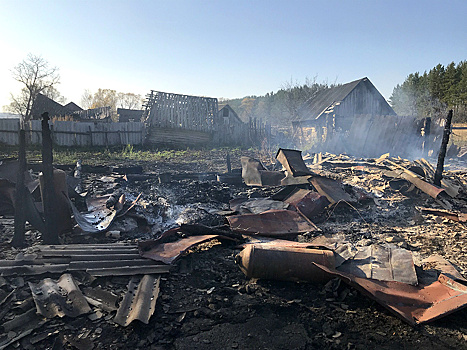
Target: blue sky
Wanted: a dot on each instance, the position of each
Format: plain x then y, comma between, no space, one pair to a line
228,48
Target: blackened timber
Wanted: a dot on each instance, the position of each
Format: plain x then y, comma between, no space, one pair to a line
51,234
442,151
20,211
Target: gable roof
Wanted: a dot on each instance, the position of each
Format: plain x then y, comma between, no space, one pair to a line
317,104
233,112
71,106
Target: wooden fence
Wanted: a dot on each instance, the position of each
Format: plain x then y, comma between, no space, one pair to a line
70,133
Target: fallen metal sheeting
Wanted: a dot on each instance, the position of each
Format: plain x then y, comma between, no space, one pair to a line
384,263
256,205
293,162
168,252
139,302
414,304
95,259
61,298
271,223
255,174
100,217
330,188
307,202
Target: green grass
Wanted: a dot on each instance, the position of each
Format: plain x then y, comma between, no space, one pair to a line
110,155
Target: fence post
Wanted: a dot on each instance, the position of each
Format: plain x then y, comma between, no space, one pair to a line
442,151
20,210
48,196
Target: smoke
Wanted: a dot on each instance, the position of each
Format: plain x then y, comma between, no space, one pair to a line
372,136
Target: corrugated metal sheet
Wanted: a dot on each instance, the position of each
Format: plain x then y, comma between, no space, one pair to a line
9,129
96,259
330,188
59,298
272,223
414,304
139,302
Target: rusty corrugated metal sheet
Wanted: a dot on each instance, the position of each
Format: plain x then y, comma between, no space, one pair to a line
413,304
307,202
293,162
330,188
168,252
139,302
273,223
61,298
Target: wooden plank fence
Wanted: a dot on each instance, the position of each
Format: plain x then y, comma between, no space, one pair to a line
9,131
70,133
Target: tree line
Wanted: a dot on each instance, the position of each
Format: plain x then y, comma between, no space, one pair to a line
277,108
430,94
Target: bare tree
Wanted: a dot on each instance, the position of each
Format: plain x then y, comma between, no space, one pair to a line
52,93
87,99
37,76
129,100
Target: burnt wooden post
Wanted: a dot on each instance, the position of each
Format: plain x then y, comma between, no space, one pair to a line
229,165
20,210
426,132
48,196
442,151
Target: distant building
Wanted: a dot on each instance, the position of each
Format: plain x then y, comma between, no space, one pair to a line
71,110
336,107
229,116
72,107
44,104
235,131
129,115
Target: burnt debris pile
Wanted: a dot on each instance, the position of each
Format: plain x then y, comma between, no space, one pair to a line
176,259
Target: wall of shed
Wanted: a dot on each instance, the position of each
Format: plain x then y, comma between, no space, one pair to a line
363,100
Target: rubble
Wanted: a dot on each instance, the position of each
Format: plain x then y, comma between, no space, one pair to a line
158,266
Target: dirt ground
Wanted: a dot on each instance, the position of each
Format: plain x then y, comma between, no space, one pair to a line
206,302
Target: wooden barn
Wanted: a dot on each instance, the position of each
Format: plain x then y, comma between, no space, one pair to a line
354,118
129,115
233,129
335,108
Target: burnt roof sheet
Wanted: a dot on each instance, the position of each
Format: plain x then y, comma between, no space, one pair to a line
59,298
139,302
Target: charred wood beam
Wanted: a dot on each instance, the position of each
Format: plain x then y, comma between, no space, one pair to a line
442,151
20,210
48,196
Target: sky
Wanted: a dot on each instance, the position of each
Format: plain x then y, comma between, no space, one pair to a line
228,49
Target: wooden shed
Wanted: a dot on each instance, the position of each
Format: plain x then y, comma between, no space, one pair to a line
336,107
233,129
